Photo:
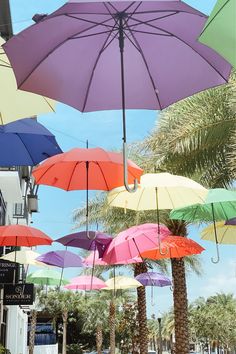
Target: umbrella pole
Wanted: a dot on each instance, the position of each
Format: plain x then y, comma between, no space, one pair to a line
163,253
215,261
87,196
62,271
91,285
121,18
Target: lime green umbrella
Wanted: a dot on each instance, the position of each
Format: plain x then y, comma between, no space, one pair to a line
46,277
219,204
219,32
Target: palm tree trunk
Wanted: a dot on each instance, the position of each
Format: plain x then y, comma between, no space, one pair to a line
112,320
99,339
33,324
142,314
64,317
180,306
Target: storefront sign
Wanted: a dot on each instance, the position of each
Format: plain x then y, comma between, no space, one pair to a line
7,271
18,294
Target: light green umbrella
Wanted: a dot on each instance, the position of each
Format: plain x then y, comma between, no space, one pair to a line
46,277
219,32
219,204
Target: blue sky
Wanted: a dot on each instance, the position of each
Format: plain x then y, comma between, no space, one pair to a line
104,129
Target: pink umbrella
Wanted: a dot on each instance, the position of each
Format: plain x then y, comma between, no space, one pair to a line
132,242
93,259
86,282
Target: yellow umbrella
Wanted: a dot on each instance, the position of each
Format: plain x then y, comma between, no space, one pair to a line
226,234
120,282
27,257
16,104
159,191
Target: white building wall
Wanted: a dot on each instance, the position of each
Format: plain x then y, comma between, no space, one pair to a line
16,330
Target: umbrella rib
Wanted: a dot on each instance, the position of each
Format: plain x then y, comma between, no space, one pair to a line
27,150
181,40
213,17
103,175
94,68
137,209
47,101
146,65
72,173
154,19
58,46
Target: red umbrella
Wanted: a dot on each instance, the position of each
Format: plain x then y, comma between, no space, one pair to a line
85,169
176,246
94,169
20,235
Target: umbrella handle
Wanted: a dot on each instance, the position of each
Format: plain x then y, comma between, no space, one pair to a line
215,261
125,166
162,252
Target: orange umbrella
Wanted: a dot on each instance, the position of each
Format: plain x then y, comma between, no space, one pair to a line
85,169
21,235
93,169
176,247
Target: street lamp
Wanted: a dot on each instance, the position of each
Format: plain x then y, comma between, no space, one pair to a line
160,337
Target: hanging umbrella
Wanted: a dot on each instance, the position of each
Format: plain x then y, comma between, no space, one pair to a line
61,259
121,282
88,169
84,282
159,191
26,143
107,47
93,259
219,31
20,235
27,257
97,241
46,277
132,242
177,247
219,204
153,279
226,233
16,104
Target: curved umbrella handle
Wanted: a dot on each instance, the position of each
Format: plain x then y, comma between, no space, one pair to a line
215,261
162,252
125,166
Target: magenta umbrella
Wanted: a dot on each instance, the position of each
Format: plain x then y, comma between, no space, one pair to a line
116,55
132,242
86,282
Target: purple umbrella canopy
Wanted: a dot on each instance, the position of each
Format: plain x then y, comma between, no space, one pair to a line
117,55
153,279
231,222
61,259
79,62
98,241
26,143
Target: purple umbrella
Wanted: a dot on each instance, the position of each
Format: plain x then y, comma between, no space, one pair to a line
231,222
153,279
97,241
112,55
61,259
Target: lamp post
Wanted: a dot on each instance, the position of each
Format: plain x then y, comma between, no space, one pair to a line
160,337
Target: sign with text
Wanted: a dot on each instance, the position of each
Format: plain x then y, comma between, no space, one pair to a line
18,294
7,271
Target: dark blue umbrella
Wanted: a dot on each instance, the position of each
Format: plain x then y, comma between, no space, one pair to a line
26,142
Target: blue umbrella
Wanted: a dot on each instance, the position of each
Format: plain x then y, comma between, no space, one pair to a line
26,143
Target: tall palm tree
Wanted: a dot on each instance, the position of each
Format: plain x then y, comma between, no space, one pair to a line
115,220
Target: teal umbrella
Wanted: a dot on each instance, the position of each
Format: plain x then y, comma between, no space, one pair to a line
46,277
219,204
219,32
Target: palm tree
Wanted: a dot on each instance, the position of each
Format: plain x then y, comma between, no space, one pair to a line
60,304
115,220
